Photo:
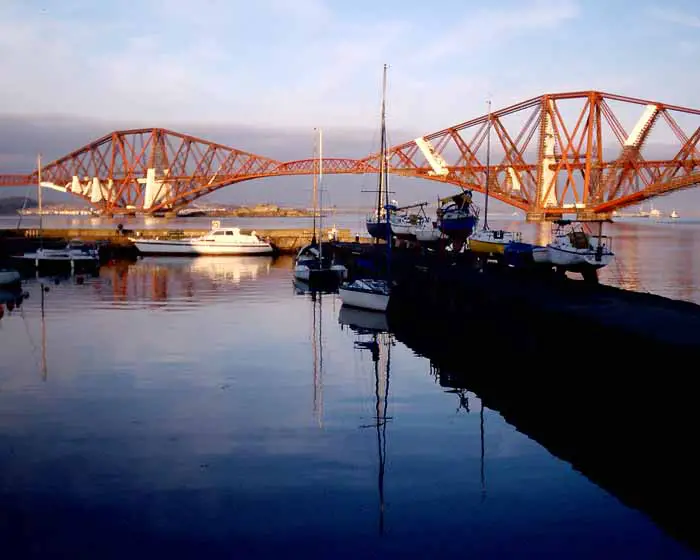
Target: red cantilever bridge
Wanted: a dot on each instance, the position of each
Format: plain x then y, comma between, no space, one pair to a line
587,153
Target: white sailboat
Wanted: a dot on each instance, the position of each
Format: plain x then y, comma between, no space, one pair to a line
310,264
674,215
488,241
371,293
573,248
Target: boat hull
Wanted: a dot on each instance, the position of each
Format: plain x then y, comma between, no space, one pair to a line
427,235
578,260
403,231
540,255
309,274
364,300
458,227
380,230
9,277
164,247
492,247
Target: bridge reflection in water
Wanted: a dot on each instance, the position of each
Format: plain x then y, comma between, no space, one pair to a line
159,279
621,414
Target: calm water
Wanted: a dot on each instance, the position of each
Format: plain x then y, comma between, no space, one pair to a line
196,408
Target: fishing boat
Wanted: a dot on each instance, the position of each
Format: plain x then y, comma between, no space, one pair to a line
573,248
310,264
219,241
374,293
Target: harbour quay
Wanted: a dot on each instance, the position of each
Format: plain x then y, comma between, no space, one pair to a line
115,243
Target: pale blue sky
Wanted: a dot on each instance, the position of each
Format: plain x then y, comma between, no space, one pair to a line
73,70
318,62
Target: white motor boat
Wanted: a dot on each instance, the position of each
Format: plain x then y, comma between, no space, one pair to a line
366,293
75,254
674,215
573,248
219,241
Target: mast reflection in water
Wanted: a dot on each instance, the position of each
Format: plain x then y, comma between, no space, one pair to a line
372,336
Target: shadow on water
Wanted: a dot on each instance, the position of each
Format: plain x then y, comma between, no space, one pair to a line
622,414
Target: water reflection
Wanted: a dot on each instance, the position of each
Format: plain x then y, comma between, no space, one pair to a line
372,336
160,279
317,348
598,422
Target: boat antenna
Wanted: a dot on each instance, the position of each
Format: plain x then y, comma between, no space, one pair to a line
488,163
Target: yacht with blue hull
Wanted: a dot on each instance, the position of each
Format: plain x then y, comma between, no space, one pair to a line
457,216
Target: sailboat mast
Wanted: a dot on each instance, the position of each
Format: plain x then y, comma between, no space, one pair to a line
381,188
38,197
488,165
384,162
320,190
384,176
315,195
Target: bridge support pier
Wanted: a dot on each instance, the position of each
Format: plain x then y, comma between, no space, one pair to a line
594,216
540,216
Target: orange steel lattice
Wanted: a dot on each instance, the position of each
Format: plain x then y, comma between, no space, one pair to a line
566,152
583,152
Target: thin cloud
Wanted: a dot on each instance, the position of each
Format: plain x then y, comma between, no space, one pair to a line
676,17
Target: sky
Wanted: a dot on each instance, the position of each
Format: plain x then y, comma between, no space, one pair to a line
259,75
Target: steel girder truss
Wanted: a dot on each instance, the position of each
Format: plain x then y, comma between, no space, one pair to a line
548,154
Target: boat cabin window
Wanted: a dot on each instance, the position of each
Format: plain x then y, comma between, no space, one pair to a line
219,233
229,233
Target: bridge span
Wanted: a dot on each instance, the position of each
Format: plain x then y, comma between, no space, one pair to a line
586,153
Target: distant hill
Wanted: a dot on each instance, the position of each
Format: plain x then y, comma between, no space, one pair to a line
10,204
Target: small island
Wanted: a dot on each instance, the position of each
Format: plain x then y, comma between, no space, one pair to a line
29,206
264,210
